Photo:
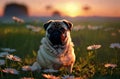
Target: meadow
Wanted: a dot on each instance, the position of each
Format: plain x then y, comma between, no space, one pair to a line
90,64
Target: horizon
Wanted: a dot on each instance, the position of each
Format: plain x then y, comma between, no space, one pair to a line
86,8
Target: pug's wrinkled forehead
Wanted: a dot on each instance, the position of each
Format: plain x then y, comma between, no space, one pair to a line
58,24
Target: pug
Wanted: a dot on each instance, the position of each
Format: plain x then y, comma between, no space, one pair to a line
56,49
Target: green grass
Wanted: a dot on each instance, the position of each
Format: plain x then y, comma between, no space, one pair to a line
89,64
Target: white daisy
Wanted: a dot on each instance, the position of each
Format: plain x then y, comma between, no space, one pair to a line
50,70
113,34
68,77
27,78
78,27
119,30
8,50
2,62
3,54
10,70
110,65
29,68
108,29
14,58
115,45
93,47
90,27
50,76
33,28
18,20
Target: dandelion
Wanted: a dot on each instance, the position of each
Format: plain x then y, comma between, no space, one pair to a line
110,65
11,71
3,54
50,76
27,78
2,62
93,47
14,58
8,50
115,45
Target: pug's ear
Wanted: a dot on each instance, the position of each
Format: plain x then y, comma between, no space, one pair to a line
69,24
47,24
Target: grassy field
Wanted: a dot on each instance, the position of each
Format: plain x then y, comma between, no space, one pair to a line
89,63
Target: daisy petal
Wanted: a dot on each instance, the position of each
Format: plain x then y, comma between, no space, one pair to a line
2,62
50,70
93,47
68,77
8,50
11,71
50,76
27,78
110,65
115,45
3,54
14,58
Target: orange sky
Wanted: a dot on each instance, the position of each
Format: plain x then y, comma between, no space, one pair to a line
71,8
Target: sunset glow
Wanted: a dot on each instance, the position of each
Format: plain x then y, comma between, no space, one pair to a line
68,7
71,10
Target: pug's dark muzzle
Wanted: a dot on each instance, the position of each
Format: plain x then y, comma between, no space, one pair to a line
57,37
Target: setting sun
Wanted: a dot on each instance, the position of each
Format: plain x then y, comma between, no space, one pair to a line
72,9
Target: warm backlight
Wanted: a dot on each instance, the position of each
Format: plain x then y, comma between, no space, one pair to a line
71,9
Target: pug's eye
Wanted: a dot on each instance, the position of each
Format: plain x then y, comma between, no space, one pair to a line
50,30
62,29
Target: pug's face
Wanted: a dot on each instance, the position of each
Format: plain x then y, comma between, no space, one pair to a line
56,31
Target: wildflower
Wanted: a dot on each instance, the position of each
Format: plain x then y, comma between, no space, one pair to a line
33,28
26,68
50,76
50,70
2,62
11,71
30,27
29,68
3,54
68,77
27,78
8,50
110,65
94,27
37,29
113,34
18,20
93,47
115,45
14,58
119,30
108,29
78,27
